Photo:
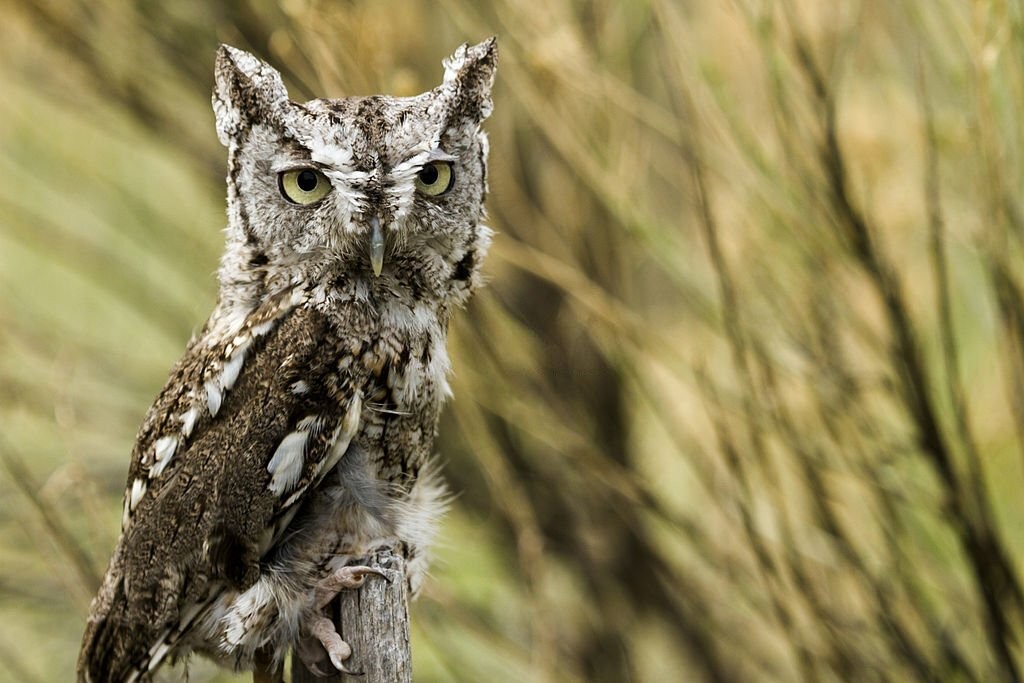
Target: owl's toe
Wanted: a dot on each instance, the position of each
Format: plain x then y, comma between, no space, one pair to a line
344,578
337,649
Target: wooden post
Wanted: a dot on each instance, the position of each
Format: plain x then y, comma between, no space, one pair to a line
374,621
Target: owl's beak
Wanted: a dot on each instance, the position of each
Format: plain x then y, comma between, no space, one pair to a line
376,245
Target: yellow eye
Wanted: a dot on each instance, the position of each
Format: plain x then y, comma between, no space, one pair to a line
435,178
303,185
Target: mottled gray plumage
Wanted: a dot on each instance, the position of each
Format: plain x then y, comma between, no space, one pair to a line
294,436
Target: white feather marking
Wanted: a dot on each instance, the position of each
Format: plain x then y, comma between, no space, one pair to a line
241,343
300,387
125,516
245,612
440,366
410,167
345,433
403,187
138,491
159,651
163,449
338,159
234,633
310,423
290,501
339,166
231,369
342,438
213,398
286,465
351,422
188,421
235,629
263,328
229,324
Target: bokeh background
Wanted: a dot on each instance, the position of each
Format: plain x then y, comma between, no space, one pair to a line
743,401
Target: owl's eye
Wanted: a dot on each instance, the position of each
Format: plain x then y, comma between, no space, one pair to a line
435,178
303,185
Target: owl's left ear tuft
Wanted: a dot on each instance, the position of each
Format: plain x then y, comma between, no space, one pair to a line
468,76
246,90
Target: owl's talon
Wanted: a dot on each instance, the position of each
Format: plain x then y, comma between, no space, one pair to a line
337,649
316,670
344,578
322,628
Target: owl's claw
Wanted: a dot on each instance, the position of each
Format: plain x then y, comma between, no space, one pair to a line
344,578
337,649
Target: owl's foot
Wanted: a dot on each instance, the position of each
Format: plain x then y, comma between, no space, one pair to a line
322,629
341,579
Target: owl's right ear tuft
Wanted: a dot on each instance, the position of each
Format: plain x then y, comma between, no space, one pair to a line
246,91
468,78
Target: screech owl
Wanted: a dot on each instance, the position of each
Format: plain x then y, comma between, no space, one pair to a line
295,434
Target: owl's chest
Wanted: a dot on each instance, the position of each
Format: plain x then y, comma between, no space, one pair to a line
397,377
399,372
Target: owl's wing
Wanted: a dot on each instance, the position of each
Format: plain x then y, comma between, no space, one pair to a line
246,425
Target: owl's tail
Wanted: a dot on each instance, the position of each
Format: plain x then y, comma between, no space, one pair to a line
116,648
107,655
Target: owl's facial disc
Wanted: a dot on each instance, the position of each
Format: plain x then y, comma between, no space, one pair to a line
344,183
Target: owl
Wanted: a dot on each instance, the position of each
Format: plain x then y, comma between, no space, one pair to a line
294,436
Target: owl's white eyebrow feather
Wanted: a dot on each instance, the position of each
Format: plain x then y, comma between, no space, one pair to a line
333,156
293,164
337,162
410,166
438,154
403,177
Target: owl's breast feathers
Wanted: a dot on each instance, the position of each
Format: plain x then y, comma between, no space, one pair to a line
253,416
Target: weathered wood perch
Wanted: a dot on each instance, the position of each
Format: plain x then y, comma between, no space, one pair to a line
374,620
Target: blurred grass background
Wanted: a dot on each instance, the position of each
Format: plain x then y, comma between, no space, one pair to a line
743,401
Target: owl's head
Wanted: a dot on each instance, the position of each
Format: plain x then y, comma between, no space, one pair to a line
380,193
